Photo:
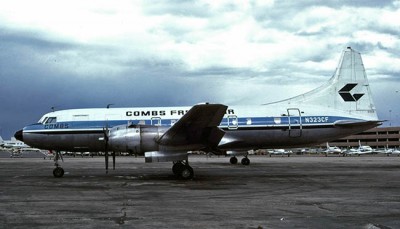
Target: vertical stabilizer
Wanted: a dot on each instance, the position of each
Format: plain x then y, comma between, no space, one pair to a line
348,90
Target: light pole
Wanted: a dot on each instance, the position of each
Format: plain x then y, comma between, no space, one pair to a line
390,117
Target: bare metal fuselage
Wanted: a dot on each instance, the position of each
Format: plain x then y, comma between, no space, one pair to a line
236,139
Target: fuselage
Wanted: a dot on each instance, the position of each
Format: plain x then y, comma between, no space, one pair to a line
245,127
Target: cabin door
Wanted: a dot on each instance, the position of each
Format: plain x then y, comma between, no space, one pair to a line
294,120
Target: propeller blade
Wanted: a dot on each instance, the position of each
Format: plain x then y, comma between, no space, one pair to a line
105,131
113,155
106,158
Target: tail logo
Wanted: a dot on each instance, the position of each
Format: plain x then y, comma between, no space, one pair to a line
347,96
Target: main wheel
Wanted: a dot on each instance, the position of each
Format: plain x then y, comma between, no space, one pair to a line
233,160
187,172
58,172
177,168
245,161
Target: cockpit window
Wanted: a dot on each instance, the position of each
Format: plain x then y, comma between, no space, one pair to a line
43,120
50,120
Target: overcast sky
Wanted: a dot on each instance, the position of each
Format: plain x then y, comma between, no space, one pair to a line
76,54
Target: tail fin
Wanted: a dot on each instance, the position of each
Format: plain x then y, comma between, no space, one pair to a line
1,139
348,90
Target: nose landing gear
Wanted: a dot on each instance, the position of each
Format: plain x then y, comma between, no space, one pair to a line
58,171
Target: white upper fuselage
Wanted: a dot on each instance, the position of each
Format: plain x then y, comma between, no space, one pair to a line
236,117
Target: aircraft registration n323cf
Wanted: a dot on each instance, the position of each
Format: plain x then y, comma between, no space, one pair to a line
341,107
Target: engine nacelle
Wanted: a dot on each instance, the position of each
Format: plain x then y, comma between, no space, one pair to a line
136,139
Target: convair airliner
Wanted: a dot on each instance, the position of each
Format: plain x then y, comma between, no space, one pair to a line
341,107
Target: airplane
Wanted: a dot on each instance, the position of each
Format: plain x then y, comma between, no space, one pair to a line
280,152
388,151
332,150
12,144
395,152
340,107
385,150
361,150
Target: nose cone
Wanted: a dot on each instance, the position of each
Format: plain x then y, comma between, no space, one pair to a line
18,135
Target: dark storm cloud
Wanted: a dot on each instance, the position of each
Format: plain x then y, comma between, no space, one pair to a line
31,85
30,39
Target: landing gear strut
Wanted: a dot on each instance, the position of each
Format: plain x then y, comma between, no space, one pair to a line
58,171
183,170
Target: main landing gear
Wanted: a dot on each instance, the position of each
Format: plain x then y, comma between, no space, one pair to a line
183,170
245,160
58,171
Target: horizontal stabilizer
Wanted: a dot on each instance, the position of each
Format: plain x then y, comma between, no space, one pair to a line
351,123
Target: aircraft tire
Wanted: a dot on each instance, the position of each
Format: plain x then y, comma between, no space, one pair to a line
245,161
233,160
58,172
187,172
177,168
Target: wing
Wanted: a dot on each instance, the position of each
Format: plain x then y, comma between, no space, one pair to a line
199,126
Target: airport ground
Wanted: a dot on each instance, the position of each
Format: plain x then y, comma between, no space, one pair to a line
273,192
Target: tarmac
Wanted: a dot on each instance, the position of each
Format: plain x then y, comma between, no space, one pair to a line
272,192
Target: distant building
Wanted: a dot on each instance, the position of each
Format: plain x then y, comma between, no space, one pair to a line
379,137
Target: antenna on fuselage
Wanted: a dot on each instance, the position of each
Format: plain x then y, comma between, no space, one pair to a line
110,104
53,109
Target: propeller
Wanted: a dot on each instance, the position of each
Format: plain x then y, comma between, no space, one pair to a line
113,155
106,143
105,131
106,138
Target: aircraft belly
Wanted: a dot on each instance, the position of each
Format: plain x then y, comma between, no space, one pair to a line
79,142
281,138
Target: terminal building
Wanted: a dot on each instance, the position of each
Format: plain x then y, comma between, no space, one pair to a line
378,137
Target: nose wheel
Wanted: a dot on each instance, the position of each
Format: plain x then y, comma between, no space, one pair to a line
58,172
